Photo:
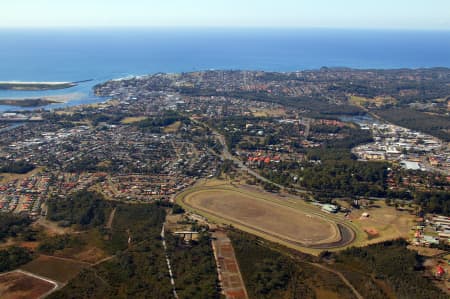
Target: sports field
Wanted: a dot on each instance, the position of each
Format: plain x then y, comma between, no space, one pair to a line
269,216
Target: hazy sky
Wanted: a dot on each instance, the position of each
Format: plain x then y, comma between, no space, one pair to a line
398,14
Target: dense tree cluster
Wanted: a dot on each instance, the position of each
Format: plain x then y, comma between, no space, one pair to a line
84,164
393,263
194,267
13,257
345,178
83,208
332,170
155,124
12,225
52,244
272,271
267,273
138,269
177,209
19,167
434,202
436,125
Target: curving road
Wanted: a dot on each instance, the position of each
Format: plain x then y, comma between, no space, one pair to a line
348,231
228,156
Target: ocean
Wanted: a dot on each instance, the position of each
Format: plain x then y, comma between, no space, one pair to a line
103,54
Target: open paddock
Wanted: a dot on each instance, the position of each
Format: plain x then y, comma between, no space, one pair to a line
383,222
22,285
54,268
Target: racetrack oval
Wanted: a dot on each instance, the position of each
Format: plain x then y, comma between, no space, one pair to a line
270,217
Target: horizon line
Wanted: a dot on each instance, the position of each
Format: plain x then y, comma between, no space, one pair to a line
173,27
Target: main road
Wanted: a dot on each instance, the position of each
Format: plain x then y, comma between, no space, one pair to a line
226,155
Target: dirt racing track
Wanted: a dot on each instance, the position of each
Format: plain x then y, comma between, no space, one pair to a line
268,215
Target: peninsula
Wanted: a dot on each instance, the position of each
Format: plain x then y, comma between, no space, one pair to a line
27,103
38,86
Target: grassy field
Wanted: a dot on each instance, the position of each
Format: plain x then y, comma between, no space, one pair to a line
16,285
388,222
90,247
378,101
57,269
130,120
268,112
173,128
273,217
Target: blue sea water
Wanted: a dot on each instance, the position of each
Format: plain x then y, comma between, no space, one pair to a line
102,54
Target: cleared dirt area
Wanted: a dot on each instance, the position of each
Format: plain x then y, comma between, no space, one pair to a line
227,266
57,269
51,228
277,220
19,285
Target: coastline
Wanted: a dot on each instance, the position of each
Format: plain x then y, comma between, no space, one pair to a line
27,103
35,86
39,101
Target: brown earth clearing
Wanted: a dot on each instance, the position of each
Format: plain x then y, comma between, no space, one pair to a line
18,285
58,269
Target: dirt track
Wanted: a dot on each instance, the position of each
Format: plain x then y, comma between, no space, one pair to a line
269,218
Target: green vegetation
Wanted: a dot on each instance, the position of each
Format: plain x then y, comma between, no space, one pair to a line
19,167
34,86
353,137
271,274
332,170
85,164
267,273
434,202
84,209
194,267
104,118
156,124
13,257
177,209
27,102
317,105
397,84
52,244
385,270
139,222
13,225
344,178
436,125
392,263
138,269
